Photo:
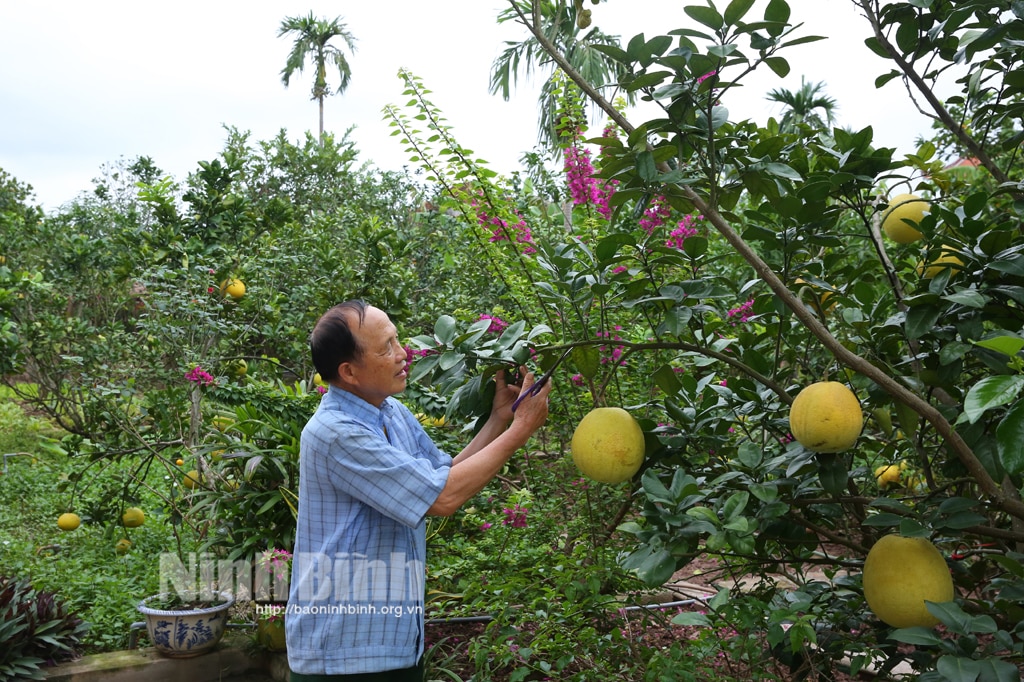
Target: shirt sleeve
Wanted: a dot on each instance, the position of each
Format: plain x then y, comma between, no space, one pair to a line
400,484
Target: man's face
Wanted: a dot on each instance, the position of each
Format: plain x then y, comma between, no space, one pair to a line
381,369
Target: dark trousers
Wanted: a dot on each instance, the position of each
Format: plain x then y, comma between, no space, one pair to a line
413,674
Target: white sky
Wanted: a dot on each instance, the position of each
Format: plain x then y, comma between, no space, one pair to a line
87,83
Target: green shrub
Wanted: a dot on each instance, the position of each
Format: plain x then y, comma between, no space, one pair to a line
35,629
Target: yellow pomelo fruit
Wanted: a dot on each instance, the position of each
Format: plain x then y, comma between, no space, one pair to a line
133,517
222,423
192,479
238,368
123,545
822,296
887,475
68,521
179,461
904,207
826,417
235,288
947,260
608,445
900,575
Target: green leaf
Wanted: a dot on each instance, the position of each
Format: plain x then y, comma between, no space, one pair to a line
968,298
695,246
778,12
832,473
691,618
952,616
704,514
883,520
658,45
736,10
645,166
916,635
735,505
665,379
587,360
1006,344
996,670
654,567
782,171
1009,440
444,329
654,488
989,393
778,65
921,320
909,528
676,319
708,16
885,78
613,51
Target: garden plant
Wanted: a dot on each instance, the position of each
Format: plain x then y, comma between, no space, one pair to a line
820,343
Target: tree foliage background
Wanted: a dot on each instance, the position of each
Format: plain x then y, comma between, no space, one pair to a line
699,270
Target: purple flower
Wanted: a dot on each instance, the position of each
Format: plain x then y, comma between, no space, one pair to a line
682,232
656,214
742,313
503,231
515,517
584,188
199,376
498,325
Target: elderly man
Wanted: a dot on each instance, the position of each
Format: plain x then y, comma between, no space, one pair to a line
369,476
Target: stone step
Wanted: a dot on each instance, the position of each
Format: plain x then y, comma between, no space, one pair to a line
228,661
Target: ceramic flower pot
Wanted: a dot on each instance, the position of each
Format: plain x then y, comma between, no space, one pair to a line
186,630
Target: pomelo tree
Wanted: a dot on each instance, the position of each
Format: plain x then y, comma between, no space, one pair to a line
684,268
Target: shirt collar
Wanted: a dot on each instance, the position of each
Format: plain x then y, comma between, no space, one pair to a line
358,408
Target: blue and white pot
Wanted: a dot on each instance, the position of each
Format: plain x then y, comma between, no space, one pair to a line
186,633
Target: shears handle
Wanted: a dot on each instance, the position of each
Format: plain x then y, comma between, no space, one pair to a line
539,384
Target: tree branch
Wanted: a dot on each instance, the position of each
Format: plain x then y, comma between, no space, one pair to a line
953,440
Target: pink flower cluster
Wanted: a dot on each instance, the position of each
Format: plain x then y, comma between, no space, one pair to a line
584,188
413,353
200,376
502,231
277,561
742,313
616,352
498,325
515,517
656,214
683,231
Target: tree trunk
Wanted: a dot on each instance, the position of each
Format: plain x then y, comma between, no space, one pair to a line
321,138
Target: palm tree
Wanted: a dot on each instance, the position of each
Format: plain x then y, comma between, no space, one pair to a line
566,26
312,38
801,106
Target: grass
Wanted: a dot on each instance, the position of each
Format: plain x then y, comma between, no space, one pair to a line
81,566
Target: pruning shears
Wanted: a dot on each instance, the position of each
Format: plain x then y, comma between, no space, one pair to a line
539,384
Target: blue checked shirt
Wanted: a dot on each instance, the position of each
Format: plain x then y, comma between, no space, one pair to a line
367,478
